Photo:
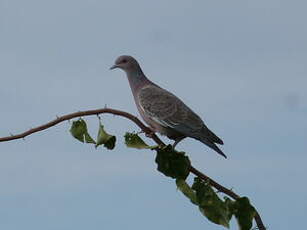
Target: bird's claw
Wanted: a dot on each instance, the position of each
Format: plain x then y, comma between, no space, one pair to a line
150,134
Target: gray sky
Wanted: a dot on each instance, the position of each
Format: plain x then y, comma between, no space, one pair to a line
241,65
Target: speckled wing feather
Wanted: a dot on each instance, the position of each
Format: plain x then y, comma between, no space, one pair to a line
169,111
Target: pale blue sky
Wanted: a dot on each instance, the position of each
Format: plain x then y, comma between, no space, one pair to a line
241,65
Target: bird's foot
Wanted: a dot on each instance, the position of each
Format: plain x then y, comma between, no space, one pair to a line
140,132
177,141
150,134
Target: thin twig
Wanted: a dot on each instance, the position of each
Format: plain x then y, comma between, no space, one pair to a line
144,128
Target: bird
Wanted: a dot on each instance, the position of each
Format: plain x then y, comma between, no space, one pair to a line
164,112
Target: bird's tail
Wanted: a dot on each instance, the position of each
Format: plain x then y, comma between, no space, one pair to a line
212,146
211,136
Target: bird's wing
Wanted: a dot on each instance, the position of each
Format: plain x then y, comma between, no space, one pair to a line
169,111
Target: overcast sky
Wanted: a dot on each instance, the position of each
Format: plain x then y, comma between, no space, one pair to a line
241,65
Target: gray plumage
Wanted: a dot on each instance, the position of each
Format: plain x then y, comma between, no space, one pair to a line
163,111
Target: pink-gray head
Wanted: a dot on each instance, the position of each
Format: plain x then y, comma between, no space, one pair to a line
126,63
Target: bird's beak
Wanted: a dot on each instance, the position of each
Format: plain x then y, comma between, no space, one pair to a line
114,67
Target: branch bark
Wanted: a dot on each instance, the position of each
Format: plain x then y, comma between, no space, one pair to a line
144,128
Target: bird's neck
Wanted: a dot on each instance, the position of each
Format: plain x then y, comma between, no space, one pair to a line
136,79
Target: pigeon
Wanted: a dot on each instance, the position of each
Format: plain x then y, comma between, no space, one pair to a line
164,112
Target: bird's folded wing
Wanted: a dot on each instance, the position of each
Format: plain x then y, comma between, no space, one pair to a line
169,111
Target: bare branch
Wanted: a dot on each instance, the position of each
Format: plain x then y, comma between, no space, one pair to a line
144,128
67,117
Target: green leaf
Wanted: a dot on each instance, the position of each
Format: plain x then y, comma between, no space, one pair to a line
229,204
183,186
133,140
105,139
79,131
89,139
172,163
244,213
210,205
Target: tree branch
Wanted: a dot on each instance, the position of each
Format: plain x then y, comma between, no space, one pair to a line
144,128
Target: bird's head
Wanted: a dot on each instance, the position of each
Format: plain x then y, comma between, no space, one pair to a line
126,63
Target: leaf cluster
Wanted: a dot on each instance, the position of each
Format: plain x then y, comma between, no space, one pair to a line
177,166
217,210
79,131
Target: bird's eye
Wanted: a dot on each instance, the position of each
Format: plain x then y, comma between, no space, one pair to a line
124,61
